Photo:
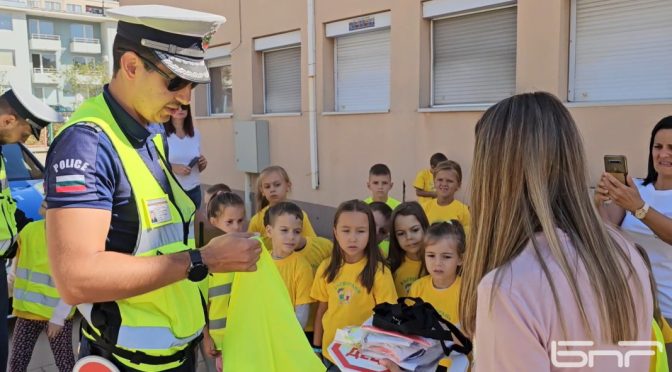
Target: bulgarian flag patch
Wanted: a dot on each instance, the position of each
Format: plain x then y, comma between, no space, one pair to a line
72,183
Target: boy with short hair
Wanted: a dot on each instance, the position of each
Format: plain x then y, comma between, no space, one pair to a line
424,181
380,184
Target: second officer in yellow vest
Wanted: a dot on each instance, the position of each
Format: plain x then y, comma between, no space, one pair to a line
120,228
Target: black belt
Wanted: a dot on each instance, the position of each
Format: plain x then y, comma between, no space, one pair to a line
139,357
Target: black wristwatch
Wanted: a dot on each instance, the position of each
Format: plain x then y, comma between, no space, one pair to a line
197,270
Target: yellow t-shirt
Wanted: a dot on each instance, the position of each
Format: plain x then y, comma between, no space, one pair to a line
317,249
257,224
391,202
298,277
446,301
453,211
405,275
425,182
348,302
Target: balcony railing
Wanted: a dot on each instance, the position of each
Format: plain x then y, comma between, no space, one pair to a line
44,70
85,40
45,37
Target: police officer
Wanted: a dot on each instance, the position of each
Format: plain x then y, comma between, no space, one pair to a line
21,114
119,226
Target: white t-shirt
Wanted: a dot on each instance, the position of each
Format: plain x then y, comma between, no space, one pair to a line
660,253
181,151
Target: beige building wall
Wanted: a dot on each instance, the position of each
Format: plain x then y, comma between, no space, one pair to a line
403,138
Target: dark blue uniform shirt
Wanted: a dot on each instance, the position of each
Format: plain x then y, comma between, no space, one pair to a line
83,170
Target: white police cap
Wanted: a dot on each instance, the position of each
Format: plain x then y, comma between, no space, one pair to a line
178,37
32,109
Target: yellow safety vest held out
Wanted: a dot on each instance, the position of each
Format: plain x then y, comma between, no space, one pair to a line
8,231
162,322
34,288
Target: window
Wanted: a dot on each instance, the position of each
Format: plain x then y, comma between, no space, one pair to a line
220,89
6,22
74,8
83,60
46,94
620,50
81,31
38,26
362,71
52,5
474,57
6,58
94,10
282,80
44,62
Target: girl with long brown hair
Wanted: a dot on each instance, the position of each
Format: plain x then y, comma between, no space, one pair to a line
541,268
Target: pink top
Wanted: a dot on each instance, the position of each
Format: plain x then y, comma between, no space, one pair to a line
517,333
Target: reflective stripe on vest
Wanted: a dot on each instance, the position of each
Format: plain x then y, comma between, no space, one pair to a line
36,298
153,338
219,295
8,228
221,290
34,288
163,321
215,324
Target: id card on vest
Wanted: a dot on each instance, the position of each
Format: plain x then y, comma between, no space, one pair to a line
157,211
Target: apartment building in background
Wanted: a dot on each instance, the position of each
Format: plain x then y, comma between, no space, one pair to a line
40,39
346,84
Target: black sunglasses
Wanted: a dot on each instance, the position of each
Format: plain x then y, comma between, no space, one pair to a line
175,83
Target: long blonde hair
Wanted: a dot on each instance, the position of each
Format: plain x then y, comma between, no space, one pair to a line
262,202
529,175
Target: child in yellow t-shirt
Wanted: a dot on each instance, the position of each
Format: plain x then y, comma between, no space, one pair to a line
424,181
226,211
447,180
380,184
273,186
442,260
354,280
381,215
409,224
284,224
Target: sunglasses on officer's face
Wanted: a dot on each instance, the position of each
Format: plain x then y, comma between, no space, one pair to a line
174,83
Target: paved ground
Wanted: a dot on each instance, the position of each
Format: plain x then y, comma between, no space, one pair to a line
43,360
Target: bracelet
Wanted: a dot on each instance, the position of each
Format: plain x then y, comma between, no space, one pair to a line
317,349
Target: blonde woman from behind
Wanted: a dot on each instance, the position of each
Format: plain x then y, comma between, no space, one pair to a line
541,269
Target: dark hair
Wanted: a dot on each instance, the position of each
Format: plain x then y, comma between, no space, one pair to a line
212,190
396,256
452,229
449,165
380,170
436,159
372,252
280,209
188,125
381,208
222,200
652,175
657,315
122,45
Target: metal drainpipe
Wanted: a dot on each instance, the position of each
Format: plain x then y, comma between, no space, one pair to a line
312,98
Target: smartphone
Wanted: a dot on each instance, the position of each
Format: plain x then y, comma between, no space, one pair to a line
617,166
193,162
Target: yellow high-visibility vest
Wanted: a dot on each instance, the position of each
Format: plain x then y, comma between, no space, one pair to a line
164,321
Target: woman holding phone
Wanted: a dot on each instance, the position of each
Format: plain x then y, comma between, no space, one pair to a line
184,155
643,208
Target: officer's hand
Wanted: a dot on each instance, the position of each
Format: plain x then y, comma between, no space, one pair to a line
231,253
53,330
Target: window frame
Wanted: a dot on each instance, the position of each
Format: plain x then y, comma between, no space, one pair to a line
495,7
217,62
39,27
13,57
71,8
42,54
82,27
263,76
10,19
